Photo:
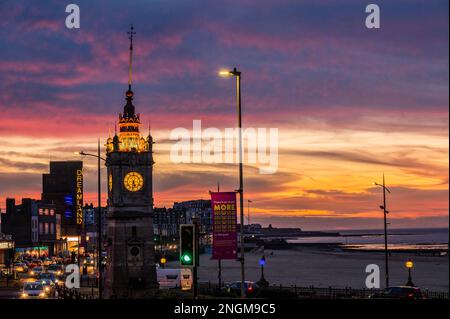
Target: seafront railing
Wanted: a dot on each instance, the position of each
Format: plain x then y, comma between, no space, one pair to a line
312,292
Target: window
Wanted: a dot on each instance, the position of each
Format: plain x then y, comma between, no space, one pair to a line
41,211
52,212
46,228
46,211
52,228
41,229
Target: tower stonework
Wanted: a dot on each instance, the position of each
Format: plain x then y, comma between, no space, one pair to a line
130,265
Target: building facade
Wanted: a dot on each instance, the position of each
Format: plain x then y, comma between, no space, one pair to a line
167,221
6,250
90,229
200,209
33,226
63,186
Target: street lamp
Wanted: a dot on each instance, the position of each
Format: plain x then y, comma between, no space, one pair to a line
99,223
163,262
409,264
237,74
248,212
262,281
385,212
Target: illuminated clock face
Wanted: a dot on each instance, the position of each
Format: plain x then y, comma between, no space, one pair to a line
133,181
110,182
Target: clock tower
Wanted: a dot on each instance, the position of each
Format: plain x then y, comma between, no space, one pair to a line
130,265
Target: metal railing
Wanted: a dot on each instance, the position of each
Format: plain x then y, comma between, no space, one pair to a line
312,292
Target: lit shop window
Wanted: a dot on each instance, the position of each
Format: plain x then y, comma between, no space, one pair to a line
41,211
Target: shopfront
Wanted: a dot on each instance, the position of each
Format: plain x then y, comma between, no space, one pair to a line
34,251
6,247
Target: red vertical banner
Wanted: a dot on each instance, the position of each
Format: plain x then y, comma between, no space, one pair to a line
224,225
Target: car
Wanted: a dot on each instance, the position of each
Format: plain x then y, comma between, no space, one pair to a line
49,286
32,264
235,287
56,269
399,292
48,276
36,271
174,278
33,290
20,267
89,261
46,261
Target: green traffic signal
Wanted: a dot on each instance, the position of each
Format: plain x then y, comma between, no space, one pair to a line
186,259
187,245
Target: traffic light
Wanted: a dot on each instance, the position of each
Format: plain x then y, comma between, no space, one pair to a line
187,245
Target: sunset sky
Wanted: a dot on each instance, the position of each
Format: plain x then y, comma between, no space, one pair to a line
349,103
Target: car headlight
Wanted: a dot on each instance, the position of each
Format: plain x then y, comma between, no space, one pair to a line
32,273
42,295
24,295
47,289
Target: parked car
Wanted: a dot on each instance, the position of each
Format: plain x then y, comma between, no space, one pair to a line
399,292
235,287
33,290
174,278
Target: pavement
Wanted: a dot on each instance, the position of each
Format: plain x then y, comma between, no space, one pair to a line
9,293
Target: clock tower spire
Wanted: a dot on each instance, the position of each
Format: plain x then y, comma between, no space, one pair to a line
130,139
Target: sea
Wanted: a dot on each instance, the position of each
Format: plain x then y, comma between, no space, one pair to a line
363,239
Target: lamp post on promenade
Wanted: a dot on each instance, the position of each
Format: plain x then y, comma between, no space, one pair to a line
237,75
99,223
385,212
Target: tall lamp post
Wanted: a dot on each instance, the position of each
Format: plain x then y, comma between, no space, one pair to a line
99,223
237,74
409,264
385,212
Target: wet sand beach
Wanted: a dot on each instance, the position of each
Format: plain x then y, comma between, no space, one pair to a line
306,267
